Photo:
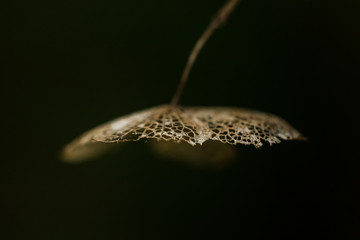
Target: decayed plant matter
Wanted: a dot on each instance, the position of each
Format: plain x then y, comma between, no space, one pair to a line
193,125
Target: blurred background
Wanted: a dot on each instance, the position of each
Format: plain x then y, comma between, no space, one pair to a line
68,66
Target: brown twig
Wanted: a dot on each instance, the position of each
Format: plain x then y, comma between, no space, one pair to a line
219,19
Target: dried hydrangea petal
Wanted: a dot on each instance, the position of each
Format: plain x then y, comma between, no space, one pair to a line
193,125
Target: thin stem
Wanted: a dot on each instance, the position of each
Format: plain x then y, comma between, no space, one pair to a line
219,19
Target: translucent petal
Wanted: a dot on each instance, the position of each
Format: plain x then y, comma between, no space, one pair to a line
193,125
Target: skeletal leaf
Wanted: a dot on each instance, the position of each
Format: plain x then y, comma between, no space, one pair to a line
193,125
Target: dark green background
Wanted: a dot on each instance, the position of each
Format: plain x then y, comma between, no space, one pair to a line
70,65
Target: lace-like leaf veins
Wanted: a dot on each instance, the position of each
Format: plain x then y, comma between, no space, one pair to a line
193,125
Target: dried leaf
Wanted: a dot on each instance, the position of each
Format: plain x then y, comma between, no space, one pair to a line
193,125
